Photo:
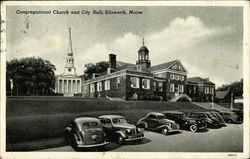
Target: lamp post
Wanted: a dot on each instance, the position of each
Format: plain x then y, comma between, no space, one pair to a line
232,100
212,101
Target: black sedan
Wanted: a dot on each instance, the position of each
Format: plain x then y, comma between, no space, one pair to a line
185,122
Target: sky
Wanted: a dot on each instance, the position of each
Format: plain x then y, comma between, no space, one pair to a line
207,40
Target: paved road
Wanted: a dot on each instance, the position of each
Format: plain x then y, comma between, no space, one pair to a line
225,139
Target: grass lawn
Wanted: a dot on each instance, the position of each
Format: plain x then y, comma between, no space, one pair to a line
30,119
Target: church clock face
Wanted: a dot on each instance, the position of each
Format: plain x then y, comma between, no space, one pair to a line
69,69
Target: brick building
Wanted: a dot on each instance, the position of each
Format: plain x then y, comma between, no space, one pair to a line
139,81
200,89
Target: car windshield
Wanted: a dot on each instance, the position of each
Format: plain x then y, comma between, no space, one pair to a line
161,117
119,121
90,124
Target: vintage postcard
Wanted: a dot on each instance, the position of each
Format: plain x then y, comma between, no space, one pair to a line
150,79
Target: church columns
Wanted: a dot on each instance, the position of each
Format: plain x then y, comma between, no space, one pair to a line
71,86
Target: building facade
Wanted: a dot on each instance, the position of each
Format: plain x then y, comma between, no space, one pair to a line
68,83
139,81
200,89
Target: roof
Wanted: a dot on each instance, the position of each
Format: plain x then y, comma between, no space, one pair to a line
128,66
111,116
121,63
81,119
175,112
162,66
155,113
221,94
199,80
143,48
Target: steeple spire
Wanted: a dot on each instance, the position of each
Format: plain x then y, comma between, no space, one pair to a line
70,42
143,41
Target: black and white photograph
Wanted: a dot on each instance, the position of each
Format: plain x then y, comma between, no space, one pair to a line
125,79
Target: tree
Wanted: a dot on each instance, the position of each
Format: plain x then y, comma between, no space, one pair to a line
97,68
236,88
31,76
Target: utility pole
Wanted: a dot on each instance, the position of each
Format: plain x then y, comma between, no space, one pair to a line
213,101
232,100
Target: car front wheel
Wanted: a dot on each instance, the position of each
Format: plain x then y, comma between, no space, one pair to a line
164,131
120,140
193,128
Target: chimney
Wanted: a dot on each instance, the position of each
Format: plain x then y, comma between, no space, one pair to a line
112,62
206,79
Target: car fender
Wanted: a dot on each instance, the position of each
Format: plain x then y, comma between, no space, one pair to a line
163,126
122,133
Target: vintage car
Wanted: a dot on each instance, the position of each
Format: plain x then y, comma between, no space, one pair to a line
219,117
185,122
158,122
239,113
118,129
85,132
210,119
231,117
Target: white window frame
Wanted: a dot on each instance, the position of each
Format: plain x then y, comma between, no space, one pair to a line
137,82
147,83
107,85
181,88
160,86
171,76
92,88
99,86
171,88
176,77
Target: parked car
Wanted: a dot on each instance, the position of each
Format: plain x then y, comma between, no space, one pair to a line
117,128
85,132
206,116
158,122
185,122
231,117
239,113
219,117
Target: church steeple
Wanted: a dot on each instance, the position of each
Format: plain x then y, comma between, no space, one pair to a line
70,67
143,56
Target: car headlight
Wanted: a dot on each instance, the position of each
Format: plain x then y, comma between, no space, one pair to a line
186,122
128,131
169,124
198,121
139,129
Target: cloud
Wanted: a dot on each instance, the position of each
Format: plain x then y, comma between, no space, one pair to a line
187,39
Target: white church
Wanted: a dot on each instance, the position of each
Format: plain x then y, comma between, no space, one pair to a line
68,83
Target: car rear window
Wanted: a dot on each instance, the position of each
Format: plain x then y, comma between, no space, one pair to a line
90,124
161,117
119,121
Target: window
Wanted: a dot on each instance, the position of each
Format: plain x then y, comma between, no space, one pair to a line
212,90
181,78
194,89
177,77
107,85
152,116
154,85
99,86
160,85
118,82
134,82
181,88
145,83
171,87
206,90
92,88
171,76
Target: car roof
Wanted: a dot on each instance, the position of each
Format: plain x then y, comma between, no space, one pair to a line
82,119
175,112
111,116
155,113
